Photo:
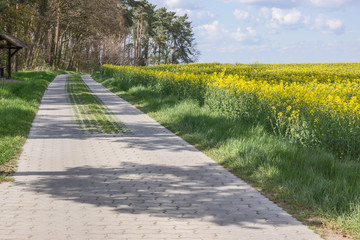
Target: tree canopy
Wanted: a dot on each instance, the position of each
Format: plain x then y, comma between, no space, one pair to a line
82,35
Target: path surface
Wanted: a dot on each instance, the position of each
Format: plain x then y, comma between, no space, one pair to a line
147,185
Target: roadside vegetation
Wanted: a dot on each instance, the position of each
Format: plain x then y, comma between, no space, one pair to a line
91,114
19,102
250,120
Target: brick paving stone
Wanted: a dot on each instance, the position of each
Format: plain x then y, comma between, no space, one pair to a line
149,184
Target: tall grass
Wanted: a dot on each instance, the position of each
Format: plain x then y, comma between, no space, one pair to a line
310,182
18,105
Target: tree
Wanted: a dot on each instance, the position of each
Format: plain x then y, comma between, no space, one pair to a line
81,35
183,42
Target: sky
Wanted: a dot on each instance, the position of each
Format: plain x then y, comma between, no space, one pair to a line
272,31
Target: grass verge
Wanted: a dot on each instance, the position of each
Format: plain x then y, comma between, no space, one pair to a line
92,115
312,184
19,102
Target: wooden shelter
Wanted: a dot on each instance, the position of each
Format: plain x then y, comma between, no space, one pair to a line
13,45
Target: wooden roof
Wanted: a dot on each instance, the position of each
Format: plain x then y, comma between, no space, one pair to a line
12,40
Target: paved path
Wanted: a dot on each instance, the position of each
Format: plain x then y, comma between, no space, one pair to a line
147,185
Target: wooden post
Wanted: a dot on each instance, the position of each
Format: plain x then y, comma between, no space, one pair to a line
9,62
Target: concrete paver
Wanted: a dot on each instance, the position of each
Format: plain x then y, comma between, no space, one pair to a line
146,185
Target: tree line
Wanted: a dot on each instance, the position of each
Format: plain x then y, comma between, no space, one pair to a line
82,35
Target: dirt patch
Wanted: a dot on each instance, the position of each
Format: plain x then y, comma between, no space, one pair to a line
7,169
334,235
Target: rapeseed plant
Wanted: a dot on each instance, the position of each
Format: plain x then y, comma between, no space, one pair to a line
316,104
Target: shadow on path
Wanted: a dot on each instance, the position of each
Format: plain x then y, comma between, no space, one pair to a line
203,192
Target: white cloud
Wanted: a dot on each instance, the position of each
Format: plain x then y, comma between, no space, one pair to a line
217,33
173,3
327,25
198,14
286,17
181,4
204,14
329,3
212,32
283,18
182,12
318,3
241,15
247,35
246,1
295,3
263,2
277,19
269,3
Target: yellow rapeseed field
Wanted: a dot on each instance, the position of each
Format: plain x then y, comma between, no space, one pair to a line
314,104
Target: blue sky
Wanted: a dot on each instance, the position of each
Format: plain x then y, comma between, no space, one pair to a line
273,31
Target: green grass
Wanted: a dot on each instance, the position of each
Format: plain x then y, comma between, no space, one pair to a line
312,184
92,115
19,102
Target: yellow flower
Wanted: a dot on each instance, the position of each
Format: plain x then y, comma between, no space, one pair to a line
323,93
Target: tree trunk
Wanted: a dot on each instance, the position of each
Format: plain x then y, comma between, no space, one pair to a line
125,37
140,43
63,55
35,58
57,34
120,51
154,57
147,49
36,51
31,50
58,60
173,54
16,60
159,57
72,58
9,62
51,46
134,52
